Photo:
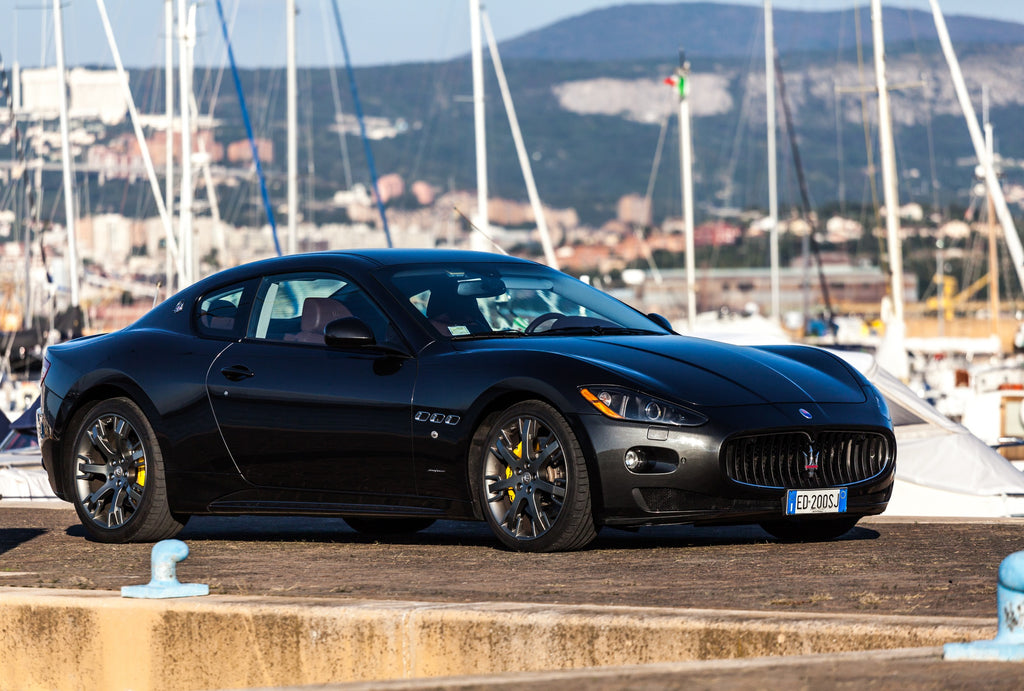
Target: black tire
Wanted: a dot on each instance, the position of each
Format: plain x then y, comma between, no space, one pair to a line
810,530
383,526
115,475
531,480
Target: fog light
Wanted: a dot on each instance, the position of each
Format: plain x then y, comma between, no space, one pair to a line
634,459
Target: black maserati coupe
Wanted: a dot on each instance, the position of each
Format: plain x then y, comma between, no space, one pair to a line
396,387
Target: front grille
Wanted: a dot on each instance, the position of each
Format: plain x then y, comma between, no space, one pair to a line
787,460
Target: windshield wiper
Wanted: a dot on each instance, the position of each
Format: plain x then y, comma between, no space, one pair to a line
489,334
595,330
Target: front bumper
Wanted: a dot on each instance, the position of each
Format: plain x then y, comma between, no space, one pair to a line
687,481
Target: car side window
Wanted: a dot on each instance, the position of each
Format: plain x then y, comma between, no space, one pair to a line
296,308
219,314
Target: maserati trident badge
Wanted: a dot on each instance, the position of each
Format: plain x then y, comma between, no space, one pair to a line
811,456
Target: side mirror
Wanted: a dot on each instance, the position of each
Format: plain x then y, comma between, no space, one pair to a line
348,333
660,321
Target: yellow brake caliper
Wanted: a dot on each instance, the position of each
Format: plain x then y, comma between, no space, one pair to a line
518,451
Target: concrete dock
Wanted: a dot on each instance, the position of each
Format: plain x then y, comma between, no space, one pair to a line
297,602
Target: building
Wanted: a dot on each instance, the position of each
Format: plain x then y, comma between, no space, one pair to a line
92,94
241,151
849,287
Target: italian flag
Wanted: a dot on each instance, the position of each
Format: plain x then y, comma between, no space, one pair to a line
679,83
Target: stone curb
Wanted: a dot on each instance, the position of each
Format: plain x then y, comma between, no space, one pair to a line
60,639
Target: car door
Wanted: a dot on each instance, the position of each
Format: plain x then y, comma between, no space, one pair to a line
297,414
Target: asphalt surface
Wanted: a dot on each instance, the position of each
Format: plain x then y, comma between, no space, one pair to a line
884,566
888,566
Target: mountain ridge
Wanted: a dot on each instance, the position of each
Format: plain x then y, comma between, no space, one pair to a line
592,128
708,29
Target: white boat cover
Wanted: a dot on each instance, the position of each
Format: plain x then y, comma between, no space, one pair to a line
934,451
19,484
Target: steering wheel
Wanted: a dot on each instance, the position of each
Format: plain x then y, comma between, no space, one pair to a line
543,319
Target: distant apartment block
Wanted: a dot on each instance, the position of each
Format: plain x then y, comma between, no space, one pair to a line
850,288
92,94
121,157
202,141
241,151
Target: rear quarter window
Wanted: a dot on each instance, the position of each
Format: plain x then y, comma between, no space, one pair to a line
220,314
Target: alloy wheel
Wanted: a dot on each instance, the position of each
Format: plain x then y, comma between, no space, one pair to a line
110,476
525,477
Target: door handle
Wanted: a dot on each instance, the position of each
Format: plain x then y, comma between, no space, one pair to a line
237,372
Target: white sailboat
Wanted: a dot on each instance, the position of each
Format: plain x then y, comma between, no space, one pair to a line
942,469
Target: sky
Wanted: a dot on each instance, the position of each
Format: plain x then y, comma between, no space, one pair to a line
378,31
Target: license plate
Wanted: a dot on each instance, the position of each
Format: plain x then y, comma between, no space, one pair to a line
815,501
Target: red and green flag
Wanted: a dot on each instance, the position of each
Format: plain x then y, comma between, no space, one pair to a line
679,82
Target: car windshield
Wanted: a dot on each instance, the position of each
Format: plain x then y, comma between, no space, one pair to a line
466,301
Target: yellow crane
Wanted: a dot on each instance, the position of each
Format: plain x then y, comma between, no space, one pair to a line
951,301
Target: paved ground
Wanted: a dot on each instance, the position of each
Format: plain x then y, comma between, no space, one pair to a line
912,670
890,566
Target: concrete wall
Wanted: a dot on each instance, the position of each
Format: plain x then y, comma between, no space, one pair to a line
88,640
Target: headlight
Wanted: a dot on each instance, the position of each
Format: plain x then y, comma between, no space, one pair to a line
623,404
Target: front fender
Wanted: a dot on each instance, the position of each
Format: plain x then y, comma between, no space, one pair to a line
488,382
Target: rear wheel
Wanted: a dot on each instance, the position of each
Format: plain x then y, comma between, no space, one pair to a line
810,530
387,526
116,475
532,483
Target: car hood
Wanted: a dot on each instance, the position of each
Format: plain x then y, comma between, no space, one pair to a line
709,373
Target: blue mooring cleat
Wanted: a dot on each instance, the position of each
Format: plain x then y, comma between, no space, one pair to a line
1008,645
164,583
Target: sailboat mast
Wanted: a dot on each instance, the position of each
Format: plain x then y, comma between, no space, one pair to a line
891,353
889,187
293,142
773,188
517,137
686,166
476,48
993,258
1013,244
169,131
140,137
65,149
186,17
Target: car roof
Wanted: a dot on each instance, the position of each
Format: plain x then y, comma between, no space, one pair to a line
395,257
368,258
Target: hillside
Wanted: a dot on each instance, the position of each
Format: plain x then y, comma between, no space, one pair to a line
713,30
592,127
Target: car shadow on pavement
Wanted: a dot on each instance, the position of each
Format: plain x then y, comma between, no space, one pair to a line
13,537
705,536
468,533
326,530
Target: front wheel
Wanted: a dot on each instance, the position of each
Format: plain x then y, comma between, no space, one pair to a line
116,475
532,483
810,530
